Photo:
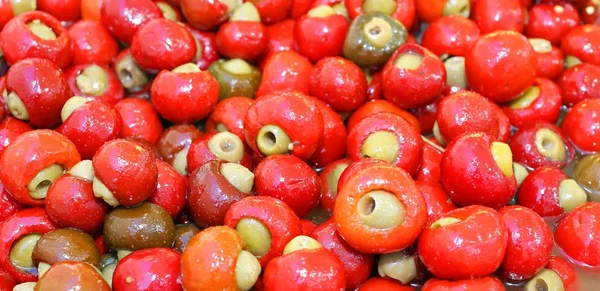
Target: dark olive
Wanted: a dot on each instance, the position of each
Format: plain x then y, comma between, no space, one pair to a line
66,244
587,172
235,77
144,226
183,234
373,38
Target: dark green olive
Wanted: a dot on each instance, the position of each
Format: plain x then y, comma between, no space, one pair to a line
373,38
183,234
587,172
235,77
144,226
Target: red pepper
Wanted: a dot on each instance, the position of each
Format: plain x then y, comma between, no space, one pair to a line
333,143
24,222
174,144
27,156
18,42
154,269
92,43
583,42
330,176
551,21
207,46
286,70
10,129
171,190
42,88
8,205
339,83
492,15
485,283
527,145
438,202
450,35
277,217
578,83
581,125
320,36
229,115
540,102
140,119
375,106
578,235
476,232
123,17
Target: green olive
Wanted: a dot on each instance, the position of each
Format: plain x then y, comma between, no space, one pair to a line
235,77
587,172
373,38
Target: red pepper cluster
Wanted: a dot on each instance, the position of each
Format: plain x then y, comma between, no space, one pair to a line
299,144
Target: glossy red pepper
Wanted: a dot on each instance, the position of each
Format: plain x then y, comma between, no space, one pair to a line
579,83
474,231
170,9
583,42
305,269
171,189
123,17
90,126
128,172
565,271
333,143
469,165
229,115
95,82
7,10
174,144
10,129
429,169
286,70
212,192
170,93
90,9
450,35
357,266
92,43
402,147
223,146
485,283
280,36
550,62
213,251
501,65
42,89
529,243
465,112
6,280
23,223
355,167
272,11
413,77
288,112
438,202
374,90
492,15
161,44
577,234
205,14
8,205
551,21
207,48
19,42
154,269
71,203
542,102
352,212
276,217
582,125
244,39
140,119
69,10
549,192
339,83
30,154
375,106
320,35
541,144
330,176
290,180
307,226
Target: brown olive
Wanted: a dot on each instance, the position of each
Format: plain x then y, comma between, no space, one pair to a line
144,226
183,234
66,244
372,39
235,77
174,145
587,172
211,194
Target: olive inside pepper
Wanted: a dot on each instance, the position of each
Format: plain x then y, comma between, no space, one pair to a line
144,226
235,77
373,38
